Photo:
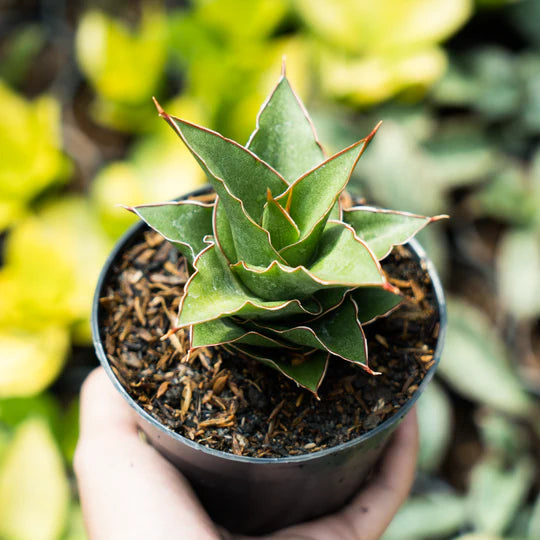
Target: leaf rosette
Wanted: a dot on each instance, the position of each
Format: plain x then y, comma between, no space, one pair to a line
281,271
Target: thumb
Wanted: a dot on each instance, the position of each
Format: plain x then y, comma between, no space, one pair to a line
127,489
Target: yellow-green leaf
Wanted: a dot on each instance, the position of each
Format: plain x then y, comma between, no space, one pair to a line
31,158
114,57
363,26
30,360
34,490
52,261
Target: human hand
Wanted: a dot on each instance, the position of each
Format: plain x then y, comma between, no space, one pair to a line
129,491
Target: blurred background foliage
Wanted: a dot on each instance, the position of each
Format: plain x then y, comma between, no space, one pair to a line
457,83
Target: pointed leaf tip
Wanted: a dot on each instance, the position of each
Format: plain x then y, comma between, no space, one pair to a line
159,108
373,132
387,286
126,207
433,219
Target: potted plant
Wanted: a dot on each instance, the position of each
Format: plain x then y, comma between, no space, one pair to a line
260,390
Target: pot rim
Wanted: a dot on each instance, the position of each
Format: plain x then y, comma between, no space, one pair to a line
383,426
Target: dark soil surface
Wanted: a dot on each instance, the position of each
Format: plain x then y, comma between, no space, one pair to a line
237,405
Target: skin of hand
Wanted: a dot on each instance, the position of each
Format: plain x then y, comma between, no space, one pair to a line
129,491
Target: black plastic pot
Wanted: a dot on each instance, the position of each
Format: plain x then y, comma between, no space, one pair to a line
259,495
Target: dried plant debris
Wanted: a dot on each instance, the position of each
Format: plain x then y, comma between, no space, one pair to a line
237,405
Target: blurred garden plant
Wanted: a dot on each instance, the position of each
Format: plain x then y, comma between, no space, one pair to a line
370,51
125,66
24,174
46,297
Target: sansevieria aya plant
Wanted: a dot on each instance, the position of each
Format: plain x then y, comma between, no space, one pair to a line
280,271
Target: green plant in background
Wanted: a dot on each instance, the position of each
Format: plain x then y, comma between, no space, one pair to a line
277,243
234,45
52,260
25,174
500,87
36,439
32,479
371,51
125,66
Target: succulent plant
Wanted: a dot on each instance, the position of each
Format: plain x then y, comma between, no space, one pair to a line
281,272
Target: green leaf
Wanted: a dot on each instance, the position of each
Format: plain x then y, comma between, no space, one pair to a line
21,47
222,231
285,137
435,423
75,529
384,229
213,292
343,260
338,332
510,196
240,180
433,515
461,154
277,281
342,253
185,223
336,213
228,164
311,198
395,162
497,492
501,435
375,302
309,373
219,331
283,230
133,181
475,363
34,489
14,411
534,525
331,298
518,273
